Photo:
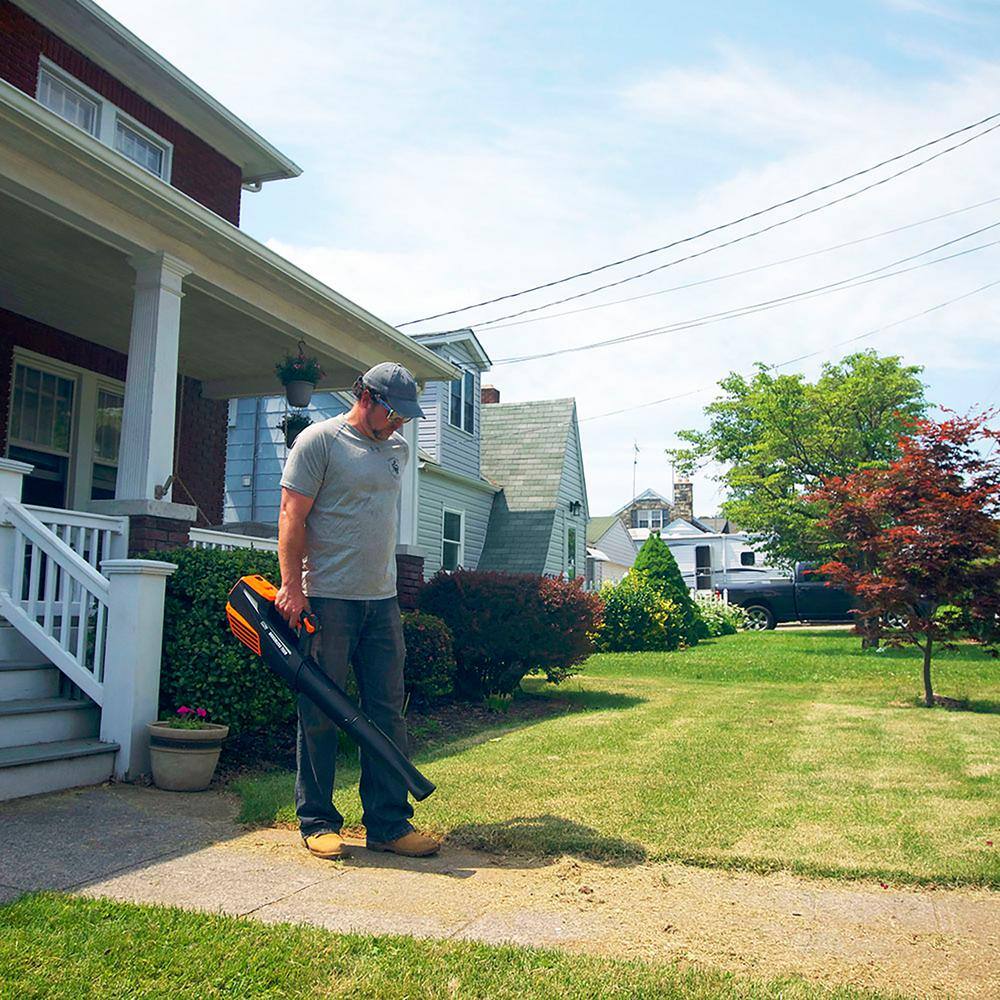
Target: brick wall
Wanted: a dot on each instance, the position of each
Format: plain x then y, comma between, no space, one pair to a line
409,580
201,427
198,170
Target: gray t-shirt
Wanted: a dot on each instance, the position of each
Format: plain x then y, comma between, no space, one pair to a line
351,528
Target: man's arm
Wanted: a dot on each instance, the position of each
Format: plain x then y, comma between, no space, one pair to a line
295,507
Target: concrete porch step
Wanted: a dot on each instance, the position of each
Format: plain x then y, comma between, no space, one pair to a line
49,767
20,679
28,721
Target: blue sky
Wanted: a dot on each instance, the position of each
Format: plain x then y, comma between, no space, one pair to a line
457,151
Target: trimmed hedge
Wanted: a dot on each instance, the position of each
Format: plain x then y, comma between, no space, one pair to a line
430,661
657,564
204,665
506,625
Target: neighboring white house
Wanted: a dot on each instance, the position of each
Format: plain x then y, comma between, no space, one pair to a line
711,552
610,551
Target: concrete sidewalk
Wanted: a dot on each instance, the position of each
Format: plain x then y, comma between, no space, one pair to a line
144,845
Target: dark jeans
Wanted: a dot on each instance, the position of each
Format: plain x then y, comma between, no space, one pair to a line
369,636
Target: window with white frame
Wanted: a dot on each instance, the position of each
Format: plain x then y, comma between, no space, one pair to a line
107,437
654,519
571,553
88,110
462,402
452,540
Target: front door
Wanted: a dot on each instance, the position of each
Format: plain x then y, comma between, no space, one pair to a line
703,567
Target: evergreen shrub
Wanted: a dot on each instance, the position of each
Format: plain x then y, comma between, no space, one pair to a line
506,625
639,617
656,563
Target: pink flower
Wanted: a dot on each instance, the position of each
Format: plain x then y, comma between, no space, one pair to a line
183,710
202,713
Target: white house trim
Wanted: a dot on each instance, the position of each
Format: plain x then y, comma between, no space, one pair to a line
451,541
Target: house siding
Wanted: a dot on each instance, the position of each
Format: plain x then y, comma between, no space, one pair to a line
201,423
438,492
572,487
429,430
197,169
616,544
459,450
261,456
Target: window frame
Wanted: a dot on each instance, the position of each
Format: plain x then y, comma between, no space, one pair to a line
572,569
464,400
460,562
108,117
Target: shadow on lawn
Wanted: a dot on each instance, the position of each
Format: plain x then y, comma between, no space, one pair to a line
543,836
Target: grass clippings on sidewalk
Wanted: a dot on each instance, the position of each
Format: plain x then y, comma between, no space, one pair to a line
54,946
792,750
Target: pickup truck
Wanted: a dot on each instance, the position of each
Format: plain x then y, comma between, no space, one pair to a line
806,596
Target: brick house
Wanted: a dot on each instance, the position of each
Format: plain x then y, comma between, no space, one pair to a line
132,310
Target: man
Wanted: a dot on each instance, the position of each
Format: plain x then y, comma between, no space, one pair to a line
339,508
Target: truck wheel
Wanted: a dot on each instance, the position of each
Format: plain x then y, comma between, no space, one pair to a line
759,617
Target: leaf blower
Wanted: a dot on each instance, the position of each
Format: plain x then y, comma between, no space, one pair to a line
258,624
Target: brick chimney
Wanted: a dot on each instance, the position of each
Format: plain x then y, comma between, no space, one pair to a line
683,499
487,394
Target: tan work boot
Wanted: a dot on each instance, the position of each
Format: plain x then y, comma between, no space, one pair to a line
410,845
328,846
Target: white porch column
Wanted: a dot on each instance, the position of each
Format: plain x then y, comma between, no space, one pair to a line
147,438
409,499
132,659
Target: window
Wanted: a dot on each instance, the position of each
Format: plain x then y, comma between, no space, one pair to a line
138,148
571,553
451,540
462,402
77,103
748,558
67,102
654,519
107,436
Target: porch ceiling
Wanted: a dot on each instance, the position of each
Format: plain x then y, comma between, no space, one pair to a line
57,275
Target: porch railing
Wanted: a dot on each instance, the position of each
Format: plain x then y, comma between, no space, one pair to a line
53,593
205,538
93,537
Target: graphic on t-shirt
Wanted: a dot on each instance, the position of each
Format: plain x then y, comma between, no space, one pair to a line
394,465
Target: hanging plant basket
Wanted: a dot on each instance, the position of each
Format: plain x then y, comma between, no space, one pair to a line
299,375
292,424
298,392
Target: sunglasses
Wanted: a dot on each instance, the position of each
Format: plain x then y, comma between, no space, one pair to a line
391,414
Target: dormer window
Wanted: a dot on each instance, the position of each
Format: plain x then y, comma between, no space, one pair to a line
462,402
88,110
653,519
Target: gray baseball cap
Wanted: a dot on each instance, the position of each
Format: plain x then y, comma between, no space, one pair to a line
396,386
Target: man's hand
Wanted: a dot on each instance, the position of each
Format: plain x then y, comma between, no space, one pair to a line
291,602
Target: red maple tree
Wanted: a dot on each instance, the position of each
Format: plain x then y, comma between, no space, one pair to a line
918,542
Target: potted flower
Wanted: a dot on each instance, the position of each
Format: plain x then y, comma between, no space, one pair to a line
299,375
292,424
184,750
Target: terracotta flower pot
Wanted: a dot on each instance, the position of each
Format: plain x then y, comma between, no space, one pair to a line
298,392
184,760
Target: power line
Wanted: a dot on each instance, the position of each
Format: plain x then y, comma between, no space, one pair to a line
745,236
496,324
802,357
734,222
855,281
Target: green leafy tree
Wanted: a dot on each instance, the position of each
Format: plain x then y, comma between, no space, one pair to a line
781,436
656,563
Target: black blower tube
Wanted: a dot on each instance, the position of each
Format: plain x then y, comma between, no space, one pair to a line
254,606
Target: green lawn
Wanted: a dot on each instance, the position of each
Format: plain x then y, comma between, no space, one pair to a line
54,946
788,750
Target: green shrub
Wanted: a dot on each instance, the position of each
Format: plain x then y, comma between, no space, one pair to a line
656,563
203,663
430,660
639,617
719,617
506,625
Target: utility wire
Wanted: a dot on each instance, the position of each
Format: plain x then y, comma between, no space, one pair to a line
496,324
745,236
855,281
803,357
744,218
